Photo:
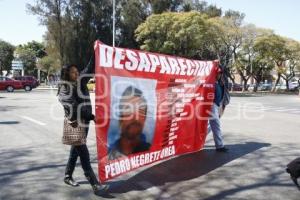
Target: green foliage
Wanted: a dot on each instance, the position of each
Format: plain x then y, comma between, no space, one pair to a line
133,13
73,26
201,32
28,54
49,64
160,6
6,56
273,48
28,57
174,33
202,7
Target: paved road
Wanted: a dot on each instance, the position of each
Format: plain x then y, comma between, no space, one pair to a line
262,133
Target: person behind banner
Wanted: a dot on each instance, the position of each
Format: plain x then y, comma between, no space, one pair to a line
132,116
74,96
221,99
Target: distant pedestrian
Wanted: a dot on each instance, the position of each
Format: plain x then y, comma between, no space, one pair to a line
221,99
74,96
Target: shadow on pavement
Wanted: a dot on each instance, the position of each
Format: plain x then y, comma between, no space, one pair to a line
10,108
9,122
184,167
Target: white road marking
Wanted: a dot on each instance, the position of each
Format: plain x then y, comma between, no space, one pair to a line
288,109
267,108
33,120
296,111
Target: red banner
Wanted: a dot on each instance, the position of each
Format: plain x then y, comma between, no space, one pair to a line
149,107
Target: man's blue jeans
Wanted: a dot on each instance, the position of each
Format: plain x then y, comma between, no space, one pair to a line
214,125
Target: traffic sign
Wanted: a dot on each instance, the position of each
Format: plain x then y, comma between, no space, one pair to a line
17,65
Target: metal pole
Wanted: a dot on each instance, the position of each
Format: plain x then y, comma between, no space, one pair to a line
114,21
251,71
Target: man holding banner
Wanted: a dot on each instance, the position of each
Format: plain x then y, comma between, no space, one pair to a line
220,101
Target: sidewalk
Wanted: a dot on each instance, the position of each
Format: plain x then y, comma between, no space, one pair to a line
260,93
51,88
46,88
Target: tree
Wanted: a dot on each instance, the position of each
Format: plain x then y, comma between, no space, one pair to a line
260,68
179,34
273,48
133,13
28,54
213,11
160,6
49,65
6,56
51,14
273,52
73,26
293,61
226,39
200,6
246,54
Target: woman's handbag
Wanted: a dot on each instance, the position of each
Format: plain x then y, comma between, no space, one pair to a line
73,135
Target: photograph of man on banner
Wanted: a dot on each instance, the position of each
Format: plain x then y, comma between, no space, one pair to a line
133,122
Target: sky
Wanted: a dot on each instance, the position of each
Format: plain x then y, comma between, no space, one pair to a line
18,26
281,16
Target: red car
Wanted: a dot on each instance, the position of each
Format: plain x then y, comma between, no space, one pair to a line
28,82
9,84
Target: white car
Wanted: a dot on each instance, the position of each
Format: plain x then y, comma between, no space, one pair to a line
293,85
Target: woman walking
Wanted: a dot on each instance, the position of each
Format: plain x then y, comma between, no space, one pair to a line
74,96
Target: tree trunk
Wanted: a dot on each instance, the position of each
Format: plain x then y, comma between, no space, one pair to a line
299,86
258,80
245,84
256,86
287,84
277,81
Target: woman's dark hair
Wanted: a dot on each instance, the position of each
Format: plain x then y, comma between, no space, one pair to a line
65,72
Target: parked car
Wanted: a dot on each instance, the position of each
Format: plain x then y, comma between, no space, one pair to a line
28,82
251,87
265,87
235,87
294,85
9,84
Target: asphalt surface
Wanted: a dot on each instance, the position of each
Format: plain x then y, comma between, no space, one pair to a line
262,133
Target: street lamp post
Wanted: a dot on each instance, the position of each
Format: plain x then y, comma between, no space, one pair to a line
251,72
114,21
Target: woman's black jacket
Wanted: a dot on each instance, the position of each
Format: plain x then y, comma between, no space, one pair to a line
75,97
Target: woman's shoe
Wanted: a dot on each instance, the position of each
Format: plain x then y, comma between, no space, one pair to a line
222,149
100,189
70,181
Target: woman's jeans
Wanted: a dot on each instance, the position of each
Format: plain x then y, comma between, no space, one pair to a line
84,155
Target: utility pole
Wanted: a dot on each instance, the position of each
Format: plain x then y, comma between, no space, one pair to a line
114,21
251,72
